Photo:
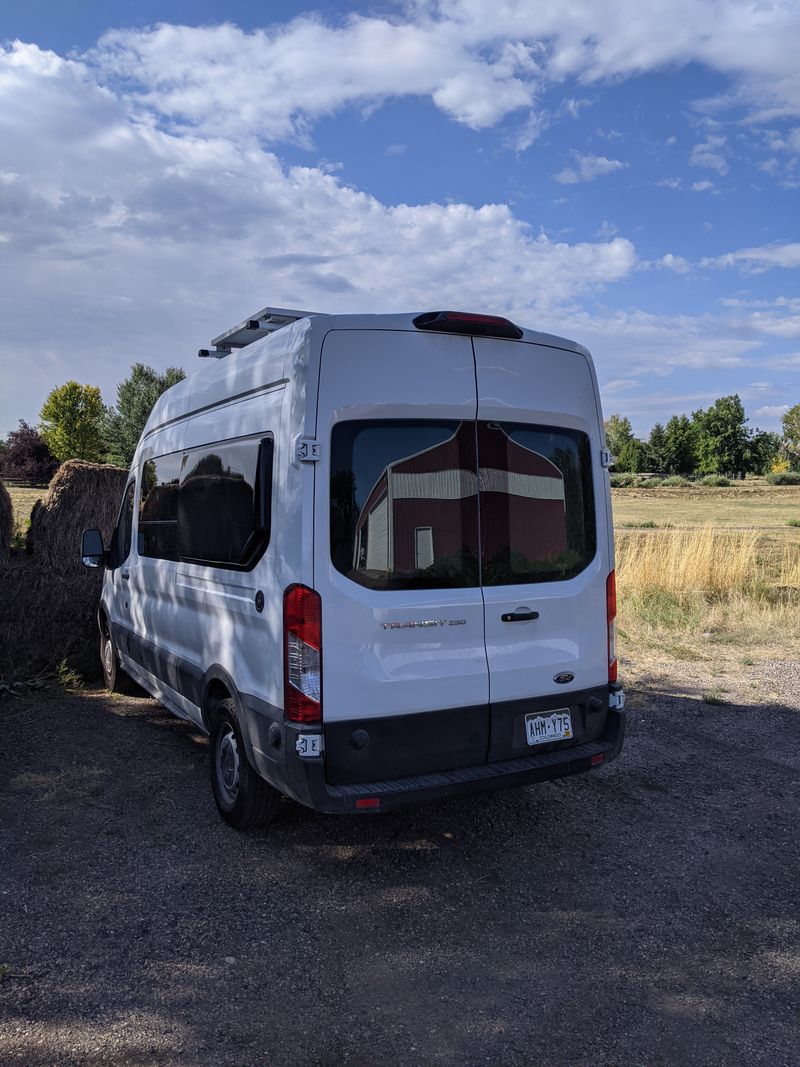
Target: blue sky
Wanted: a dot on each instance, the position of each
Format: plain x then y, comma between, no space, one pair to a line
623,174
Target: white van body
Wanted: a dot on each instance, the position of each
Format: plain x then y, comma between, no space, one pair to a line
444,667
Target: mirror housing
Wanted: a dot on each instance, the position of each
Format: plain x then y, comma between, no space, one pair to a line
93,553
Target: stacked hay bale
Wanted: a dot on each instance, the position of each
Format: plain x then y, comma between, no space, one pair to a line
48,614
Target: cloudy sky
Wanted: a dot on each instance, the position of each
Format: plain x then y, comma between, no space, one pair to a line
626,174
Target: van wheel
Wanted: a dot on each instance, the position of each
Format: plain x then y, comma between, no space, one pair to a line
244,799
115,678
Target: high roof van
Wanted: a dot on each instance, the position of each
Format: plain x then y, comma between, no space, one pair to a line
371,556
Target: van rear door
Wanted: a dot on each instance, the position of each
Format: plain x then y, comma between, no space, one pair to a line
396,556
545,557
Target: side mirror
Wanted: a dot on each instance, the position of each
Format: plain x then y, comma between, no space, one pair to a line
93,553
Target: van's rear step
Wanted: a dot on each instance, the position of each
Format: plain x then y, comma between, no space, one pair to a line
420,788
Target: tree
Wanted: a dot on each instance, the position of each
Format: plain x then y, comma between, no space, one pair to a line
72,422
632,456
136,396
26,456
722,437
791,436
678,450
762,451
655,448
618,433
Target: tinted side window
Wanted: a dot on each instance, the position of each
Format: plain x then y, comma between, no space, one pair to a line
224,502
158,507
404,503
121,538
536,503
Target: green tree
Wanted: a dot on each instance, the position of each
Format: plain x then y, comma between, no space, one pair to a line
618,433
722,437
655,448
762,449
632,457
678,451
790,421
136,396
72,422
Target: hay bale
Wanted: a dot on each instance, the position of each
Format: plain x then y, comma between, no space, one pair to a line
49,603
80,496
6,524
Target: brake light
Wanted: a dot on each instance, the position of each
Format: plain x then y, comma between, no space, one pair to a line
302,654
467,322
611,616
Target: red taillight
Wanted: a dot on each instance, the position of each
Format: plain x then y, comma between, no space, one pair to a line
611,616
468,322
302,654
368,803
596,760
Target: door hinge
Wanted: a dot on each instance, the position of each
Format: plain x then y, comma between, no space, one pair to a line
606,459
307,450
616,699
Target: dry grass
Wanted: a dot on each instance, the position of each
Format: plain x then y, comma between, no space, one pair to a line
743,504
23,499
684,590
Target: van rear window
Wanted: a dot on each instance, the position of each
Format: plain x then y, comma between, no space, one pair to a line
412,501
404,504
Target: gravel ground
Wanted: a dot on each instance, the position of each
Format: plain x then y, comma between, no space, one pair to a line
644,914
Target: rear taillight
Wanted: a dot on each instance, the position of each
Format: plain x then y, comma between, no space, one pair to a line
611,616
302,654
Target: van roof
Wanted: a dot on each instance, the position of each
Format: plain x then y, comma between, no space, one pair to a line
269,319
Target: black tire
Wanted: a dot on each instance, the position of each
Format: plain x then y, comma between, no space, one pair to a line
243,798
115,678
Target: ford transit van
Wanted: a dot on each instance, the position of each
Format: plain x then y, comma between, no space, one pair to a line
372,557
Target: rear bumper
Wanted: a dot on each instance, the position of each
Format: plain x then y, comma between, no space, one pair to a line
304,779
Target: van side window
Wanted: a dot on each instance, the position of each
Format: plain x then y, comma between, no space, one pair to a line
121,537
158,507
404,503
224,502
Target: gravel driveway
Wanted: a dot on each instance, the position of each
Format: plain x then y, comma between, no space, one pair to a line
645,914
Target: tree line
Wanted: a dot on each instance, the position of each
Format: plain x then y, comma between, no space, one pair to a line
76,424
715,440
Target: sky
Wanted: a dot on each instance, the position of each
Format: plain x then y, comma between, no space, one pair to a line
623,174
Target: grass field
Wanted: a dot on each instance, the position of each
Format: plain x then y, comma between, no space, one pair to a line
748,504
22,500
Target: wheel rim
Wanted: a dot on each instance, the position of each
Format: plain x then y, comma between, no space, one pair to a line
227,765
108,657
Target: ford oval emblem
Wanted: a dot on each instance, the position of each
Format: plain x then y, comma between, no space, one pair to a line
564,677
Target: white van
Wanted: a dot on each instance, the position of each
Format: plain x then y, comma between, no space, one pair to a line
372,557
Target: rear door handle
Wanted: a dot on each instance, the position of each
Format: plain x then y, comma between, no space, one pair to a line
519,616
126,576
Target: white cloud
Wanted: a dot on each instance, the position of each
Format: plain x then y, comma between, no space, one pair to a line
134,238
771,411
702,187
757,260
669,183
476,60
675,263
709,154
588,168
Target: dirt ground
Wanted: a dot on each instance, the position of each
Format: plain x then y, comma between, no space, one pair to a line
645,914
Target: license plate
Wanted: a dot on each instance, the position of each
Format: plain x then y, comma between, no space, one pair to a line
554,726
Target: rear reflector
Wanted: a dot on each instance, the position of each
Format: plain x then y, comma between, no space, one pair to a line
302,654
368,802
611,618
466,322
598,758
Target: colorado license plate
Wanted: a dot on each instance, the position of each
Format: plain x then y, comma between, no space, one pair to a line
555,726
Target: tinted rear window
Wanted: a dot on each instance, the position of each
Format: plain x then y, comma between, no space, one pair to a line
411,502
536,503
404,504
